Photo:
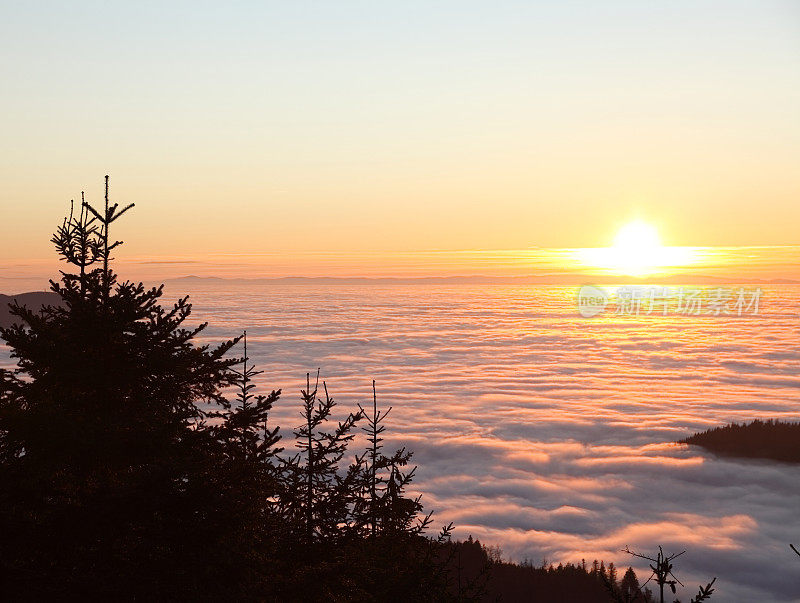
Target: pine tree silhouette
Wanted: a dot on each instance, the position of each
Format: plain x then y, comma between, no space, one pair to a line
244,427
385,509
662,566
77,240
104,461
323,505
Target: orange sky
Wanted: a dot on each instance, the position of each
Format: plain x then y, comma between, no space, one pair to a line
390,130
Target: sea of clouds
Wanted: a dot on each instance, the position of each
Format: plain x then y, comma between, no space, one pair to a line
550,434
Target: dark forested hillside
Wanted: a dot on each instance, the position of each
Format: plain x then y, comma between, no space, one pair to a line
772,440
34,301
503,580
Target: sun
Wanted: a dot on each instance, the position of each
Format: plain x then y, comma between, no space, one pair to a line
637,237
636,251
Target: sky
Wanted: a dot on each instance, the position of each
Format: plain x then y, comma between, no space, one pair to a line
280,130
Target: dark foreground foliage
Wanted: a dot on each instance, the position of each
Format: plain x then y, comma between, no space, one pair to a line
126,472
772,440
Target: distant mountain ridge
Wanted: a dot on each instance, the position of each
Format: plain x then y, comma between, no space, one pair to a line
540,279
33,300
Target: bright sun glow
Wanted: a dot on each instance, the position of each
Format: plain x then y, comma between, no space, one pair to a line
637,251
637,237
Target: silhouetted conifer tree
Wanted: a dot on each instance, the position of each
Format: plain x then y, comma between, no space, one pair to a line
104,461
662,566
244,428
629,587
384,508
77,240
321,502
